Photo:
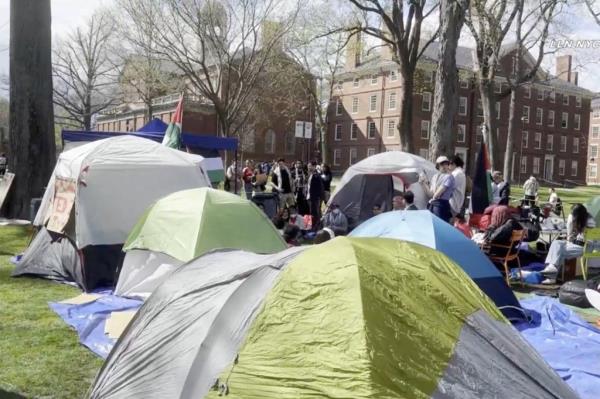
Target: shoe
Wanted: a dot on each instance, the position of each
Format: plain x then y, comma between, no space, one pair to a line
549,281
550,269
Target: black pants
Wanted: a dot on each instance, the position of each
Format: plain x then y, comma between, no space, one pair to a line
441,209
315,212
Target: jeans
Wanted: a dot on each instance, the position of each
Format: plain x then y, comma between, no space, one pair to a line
248,190
441,208
561,250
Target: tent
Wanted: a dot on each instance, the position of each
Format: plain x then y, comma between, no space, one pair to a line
185,225
376,179
351,318
425,228
593,208
96,194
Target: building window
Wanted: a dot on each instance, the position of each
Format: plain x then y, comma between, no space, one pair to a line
595,132
371,130
356,82
594,151
563,143
426,106
270,142
524,165
337,157
552,96
339,107
497,87
424,129
354,105
537,142
596,113
249,140
578,102
525,114
372,103
461,133
577,121
424,153
354,132
546,94
540,94
428,76
339,85
290,143
525,139
575,145
536,165
550,142
573,168
550,118
392,101
593,171
338,133
561,167
565,99
564,122
374,79
391,128
393,76
353,155
464,84
527,92
478,137
497,109
370,152
479,108
539,116
462,106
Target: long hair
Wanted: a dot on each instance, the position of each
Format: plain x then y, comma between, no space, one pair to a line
500,215
580,217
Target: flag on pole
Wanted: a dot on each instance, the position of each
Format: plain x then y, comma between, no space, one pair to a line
172,137
481,196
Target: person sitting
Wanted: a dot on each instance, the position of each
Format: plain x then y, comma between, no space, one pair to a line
296,219
409,201
324,235
377,210
336,220
500,231
398,203
554,201
560,250
291,234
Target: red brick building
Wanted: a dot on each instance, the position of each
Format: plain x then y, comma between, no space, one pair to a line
594,143
551,138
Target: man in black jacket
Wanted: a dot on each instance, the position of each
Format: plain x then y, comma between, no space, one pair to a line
314,194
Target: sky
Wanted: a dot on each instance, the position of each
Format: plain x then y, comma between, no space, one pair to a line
577,24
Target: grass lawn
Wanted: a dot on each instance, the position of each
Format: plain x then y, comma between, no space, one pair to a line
40,356
569,196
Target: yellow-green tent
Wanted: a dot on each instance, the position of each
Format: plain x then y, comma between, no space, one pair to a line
352,318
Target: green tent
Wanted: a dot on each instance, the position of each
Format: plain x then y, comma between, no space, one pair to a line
185,225
351,318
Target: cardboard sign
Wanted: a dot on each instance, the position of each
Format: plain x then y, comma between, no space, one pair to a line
299,129
5,184
307,130
64,198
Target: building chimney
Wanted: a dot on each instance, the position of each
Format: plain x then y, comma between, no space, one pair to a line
563,68
575,78
353,51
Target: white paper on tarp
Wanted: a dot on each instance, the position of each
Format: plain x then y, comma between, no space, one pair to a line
117,322
299,129
307,130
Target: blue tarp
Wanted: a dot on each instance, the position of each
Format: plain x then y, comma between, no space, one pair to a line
89,319
569,344
427,229
155,125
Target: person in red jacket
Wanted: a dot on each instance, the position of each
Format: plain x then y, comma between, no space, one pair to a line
247,174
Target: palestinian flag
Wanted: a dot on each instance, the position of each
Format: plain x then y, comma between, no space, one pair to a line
172,137
481,196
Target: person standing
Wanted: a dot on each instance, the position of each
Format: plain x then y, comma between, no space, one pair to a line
500,189
457,200
327,177
299,178
530,189
314,194
282,183
440,190
232,178
409,201
247,174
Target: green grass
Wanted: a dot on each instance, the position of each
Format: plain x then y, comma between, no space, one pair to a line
40,356
568,196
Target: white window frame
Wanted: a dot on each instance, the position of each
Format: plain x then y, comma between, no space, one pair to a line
564,122
464,83
425,123
536,166
371,151
525,139
561,167
577,121
350,151
478,137
527,93
427,95
539,116
551,118
392,101
369,124
540,94
550,142
479,108
273,148
428,76
355,105
574,168
393,76
373,105
424,153
337,157
552,96
356,82
460,104
537,141
595,131
374,79
391,128
563,144
565,99
524,164
353,130
594,151
497,87
461,129
339,107
578,101
526,115
593,170
596,113
338,129
575,145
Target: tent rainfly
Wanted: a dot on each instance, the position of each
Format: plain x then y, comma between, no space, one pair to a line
96,194
351,318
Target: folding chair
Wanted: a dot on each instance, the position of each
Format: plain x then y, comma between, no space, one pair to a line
512,253
591,249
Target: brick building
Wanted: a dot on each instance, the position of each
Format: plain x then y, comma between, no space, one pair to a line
594,143
551,137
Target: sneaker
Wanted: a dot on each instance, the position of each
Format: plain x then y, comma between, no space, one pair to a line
549,281
550,269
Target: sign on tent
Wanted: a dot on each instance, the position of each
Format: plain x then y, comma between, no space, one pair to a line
64,198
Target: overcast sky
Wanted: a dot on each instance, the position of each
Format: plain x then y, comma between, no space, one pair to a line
66,14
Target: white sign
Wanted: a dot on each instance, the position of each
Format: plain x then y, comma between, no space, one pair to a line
307,130
299,129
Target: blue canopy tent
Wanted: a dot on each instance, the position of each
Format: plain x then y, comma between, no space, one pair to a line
427,229
207,146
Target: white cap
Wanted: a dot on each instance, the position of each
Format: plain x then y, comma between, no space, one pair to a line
442,159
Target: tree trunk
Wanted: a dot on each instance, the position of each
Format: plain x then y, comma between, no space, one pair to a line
510,136
488,102
406,101
452,17
32,147
87,116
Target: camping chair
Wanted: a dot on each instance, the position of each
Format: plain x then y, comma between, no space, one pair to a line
591,249
512,253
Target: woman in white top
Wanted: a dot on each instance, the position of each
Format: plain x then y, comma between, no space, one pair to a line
572,247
